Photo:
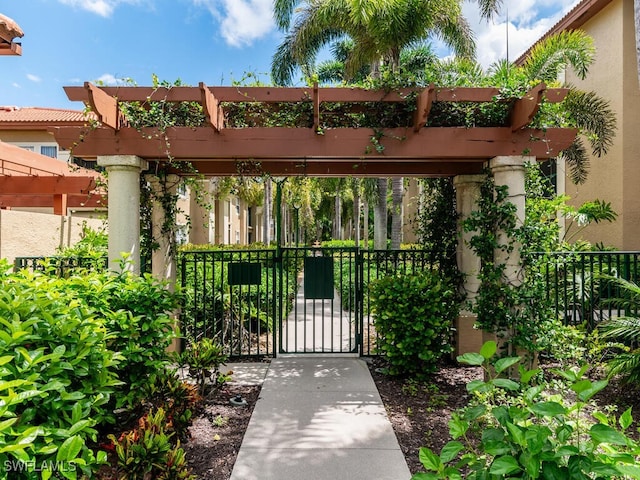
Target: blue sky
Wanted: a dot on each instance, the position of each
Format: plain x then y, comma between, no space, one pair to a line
68,42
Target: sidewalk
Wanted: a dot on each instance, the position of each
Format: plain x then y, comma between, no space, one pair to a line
319,418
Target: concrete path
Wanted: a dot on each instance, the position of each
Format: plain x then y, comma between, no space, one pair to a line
318,326
319,418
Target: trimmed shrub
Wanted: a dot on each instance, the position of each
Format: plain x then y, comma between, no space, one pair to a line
57,376
414,317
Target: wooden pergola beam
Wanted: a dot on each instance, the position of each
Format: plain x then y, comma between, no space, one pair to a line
212,110
103,105
285,95
12,185
300,143
525,108
10,49
47,201
326,168
423,107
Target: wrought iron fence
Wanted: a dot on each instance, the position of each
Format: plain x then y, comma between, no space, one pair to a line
580,286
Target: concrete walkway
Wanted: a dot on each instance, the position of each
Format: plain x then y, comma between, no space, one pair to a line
319,418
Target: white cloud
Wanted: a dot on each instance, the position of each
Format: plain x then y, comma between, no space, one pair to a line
16,85
241,21
33,78
528,21
104,8
107,79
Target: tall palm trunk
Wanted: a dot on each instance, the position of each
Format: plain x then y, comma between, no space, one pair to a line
380,216
356,213
365,223
266,215
397,195
337,221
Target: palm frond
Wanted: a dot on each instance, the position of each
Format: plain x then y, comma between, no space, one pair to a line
551,55
283,12
594,117
488,8
577,161
626,365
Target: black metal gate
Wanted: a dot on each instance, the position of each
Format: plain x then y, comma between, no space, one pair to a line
293,300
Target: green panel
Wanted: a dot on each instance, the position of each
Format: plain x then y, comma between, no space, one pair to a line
244,273
318,278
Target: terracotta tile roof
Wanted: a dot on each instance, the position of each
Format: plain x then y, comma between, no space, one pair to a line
32,116
574,19
9,29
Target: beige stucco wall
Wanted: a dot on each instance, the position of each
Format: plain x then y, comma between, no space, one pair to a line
30,234
615,177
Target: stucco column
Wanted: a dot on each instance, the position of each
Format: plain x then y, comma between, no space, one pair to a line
199,215
123,177
468,339
510,172
163,259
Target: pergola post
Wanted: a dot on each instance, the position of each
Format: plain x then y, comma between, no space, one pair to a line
123,176
468,338
163,259
510,172
200,215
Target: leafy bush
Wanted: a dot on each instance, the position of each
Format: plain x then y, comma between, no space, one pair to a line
414,317
204,358
138,318
528,431
57,376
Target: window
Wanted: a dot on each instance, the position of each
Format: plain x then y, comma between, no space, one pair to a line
49,151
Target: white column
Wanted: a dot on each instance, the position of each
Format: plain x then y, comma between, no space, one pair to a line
163,259
123,176
468,339
510,172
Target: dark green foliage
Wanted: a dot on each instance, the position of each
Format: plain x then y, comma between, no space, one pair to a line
520,429
414,317
140,325
436,224
57,375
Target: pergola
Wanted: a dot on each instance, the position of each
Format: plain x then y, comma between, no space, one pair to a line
417,149
28,179
214,149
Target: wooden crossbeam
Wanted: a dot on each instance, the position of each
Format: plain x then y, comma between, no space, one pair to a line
525,108
336,168
349,143
11,185
423,107
11,48
104,105
212,109
47,201
297,94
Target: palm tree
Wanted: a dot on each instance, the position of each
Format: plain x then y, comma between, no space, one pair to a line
379,29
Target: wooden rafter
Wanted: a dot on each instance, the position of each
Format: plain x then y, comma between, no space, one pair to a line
316,107
423,107
11,185
525,108
104,105
212,110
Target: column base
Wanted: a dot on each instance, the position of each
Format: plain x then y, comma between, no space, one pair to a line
468,339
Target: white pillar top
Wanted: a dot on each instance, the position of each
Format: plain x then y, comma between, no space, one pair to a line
131,161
